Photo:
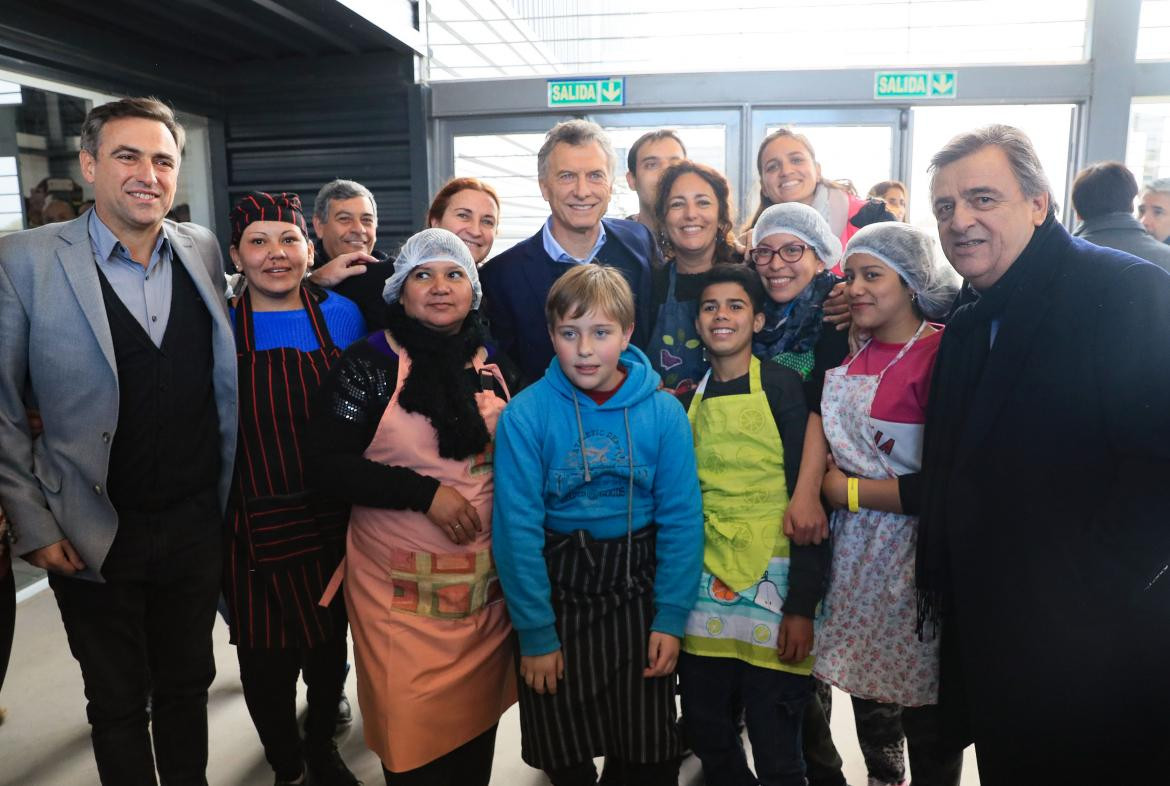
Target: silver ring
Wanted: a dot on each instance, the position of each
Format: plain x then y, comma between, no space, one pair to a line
459,527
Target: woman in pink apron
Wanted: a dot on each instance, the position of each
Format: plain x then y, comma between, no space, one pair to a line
871,415
404,432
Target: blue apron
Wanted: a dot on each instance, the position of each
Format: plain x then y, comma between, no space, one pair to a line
674,349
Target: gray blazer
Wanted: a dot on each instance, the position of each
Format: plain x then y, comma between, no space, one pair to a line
1123,232
57,355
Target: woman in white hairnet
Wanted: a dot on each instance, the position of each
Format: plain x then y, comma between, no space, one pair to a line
870,416
404,432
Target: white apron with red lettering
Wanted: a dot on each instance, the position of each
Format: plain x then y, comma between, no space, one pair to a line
867,644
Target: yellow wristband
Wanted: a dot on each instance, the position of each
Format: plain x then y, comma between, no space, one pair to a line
851,491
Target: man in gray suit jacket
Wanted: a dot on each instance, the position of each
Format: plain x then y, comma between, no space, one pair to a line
1103,195
115,328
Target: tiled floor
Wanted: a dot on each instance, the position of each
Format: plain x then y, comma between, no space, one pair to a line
45,740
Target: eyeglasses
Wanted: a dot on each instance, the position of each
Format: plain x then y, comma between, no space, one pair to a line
761,256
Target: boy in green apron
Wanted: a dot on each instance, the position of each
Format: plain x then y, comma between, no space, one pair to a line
749,636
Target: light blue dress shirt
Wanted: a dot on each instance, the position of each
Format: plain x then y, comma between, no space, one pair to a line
554,249
145,291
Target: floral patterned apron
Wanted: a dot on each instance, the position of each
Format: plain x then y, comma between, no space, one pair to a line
867,645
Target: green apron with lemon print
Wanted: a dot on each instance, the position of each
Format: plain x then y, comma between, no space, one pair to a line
740,459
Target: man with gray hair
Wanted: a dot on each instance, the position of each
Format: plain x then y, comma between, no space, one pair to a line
1043,542
576,170
345,221
1154,209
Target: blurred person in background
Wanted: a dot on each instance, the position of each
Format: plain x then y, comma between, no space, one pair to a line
1154,210
646,160
1102,197
894,194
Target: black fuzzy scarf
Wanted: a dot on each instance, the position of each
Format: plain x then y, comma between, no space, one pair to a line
439,386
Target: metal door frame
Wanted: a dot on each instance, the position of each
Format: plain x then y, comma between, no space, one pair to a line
446,129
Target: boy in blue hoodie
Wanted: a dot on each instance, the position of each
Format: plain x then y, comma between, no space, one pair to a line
598,539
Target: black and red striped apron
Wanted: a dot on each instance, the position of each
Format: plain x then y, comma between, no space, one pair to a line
286,540
603,598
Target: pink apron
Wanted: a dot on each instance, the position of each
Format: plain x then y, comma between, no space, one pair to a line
432,639
867,645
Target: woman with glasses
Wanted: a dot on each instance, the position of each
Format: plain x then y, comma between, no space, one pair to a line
792,250
693,212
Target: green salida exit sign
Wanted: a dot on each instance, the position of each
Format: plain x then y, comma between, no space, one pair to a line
610,91
915,84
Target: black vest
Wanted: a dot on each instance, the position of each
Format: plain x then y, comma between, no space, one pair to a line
167,446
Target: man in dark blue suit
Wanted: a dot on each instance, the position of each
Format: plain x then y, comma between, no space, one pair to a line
575,166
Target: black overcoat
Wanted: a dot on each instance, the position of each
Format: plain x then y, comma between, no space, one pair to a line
1056,518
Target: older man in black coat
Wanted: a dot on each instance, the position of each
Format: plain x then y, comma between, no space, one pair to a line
1045,528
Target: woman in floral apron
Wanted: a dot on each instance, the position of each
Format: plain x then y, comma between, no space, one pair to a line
405,433
871,415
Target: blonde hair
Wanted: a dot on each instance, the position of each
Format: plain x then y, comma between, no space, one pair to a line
586,288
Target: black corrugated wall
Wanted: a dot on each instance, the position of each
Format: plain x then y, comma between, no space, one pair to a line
301,123
296,92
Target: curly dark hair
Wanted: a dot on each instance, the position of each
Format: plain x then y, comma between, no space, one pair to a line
725,251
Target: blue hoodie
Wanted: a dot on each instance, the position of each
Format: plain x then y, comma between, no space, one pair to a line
541,483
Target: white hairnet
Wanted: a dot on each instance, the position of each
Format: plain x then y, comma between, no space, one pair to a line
911,254
432,245
796,218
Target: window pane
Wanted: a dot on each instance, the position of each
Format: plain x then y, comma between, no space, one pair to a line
9,93
11,216
1154,31
1048,126
1148,152
470,41
508,163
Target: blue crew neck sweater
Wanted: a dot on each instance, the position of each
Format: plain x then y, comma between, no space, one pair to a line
293,329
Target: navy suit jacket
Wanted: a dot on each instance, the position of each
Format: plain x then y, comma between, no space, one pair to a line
516,285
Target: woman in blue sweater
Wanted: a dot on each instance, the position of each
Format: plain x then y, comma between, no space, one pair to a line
284,540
